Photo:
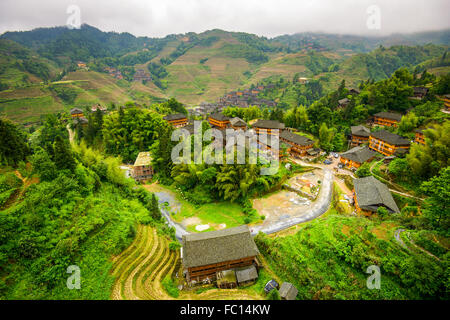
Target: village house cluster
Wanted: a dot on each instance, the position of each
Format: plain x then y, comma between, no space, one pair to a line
113,72
241,99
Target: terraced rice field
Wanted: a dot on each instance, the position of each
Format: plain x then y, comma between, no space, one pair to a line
140,269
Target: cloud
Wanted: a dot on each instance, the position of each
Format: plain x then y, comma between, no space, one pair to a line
262,17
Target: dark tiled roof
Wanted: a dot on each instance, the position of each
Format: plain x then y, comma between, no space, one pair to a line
390,138
246,274
76,111
389,115
420,90
238,122
176,116
219,116
360,131
295,138
288,291
218,246
359,154
81,120
371,194
269,124
344,101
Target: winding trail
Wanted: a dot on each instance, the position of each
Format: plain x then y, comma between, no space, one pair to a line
397,236
391,183
320,206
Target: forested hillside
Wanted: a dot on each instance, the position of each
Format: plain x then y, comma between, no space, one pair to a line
191,67
64,206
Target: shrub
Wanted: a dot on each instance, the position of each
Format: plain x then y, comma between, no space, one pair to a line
170,287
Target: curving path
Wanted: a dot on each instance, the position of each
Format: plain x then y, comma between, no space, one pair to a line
320,206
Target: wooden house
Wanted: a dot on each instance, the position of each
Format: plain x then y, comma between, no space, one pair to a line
420,92
218,120
80,121
177,120
299,144
419,138
343,103
205,254
353,91
387,119
388,143
356,156
446,99
370,194
238,124
142,169
268,127
76,113
360,134
288,291
247,275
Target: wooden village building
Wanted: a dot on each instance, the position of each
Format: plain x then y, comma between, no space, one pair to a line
420,92
388,143
288,291
276,149
177,120
97,106
387,119
299,144
360,134
142,169
206,254
419,137
268,127
238,124
219,120
370,194
343,103
446,99
76,113
356,156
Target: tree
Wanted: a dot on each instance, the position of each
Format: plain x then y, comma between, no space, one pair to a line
364,170
325,137
437,205
426,160
13,145
382,212
408,123
63,156
43,165
399,168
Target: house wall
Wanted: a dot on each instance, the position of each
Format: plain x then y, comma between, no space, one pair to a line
385,122
420,138
357,140
209,271
142,172
179,122
384,147
267,131
217,123
349,163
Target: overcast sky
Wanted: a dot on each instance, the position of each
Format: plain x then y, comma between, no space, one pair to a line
270,18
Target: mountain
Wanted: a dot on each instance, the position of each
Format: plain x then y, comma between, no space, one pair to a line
38,65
